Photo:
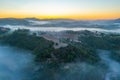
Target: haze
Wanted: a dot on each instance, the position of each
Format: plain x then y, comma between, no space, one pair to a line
75,9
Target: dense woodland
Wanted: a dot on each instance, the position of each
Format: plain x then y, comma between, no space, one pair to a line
45,52
51,59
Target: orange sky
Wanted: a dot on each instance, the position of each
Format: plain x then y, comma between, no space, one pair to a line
76,16
74,9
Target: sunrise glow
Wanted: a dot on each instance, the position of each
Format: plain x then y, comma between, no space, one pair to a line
74,9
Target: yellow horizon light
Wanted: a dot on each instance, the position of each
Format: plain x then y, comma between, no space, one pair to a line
74,16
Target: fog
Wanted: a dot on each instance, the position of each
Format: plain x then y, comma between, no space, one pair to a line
13,62
113,72
17,64
58,29
106,69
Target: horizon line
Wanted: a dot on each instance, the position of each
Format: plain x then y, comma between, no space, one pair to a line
59,18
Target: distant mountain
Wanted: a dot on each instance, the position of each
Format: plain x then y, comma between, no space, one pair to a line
117,20
13,21
106,24
42,22
34,19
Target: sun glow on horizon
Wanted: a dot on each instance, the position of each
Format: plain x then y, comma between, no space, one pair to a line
77,9
76,16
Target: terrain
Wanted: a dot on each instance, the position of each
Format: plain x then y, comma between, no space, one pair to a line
65,49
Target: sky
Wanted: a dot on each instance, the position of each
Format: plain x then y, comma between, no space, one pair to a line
74,9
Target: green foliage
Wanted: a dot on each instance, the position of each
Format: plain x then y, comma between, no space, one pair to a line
67,54
22,39
44,51
84,51
102,41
